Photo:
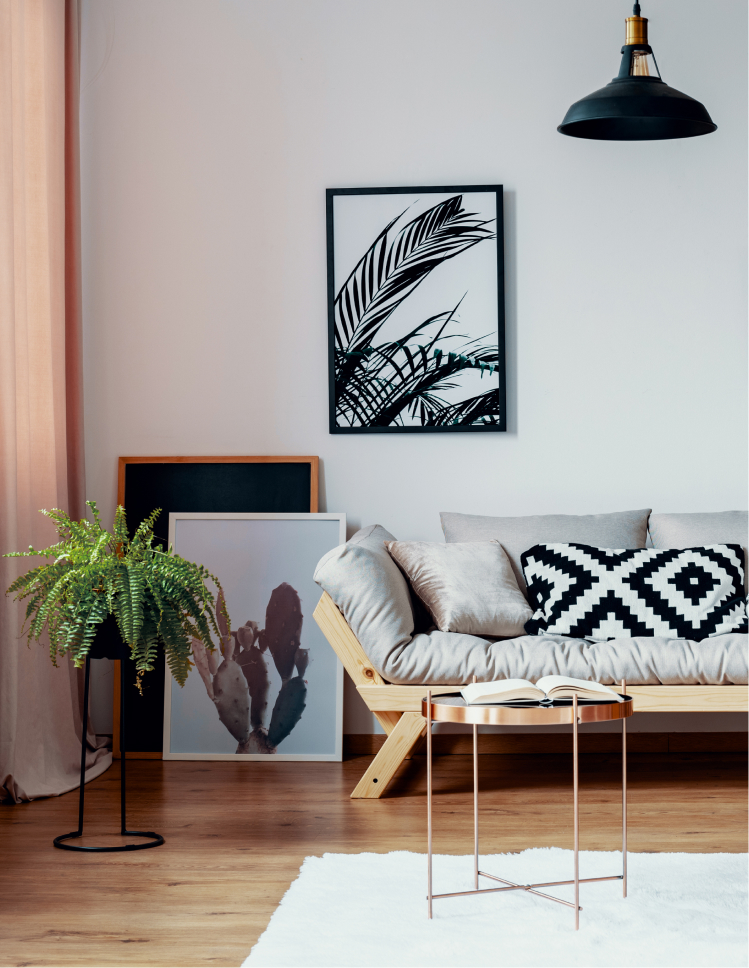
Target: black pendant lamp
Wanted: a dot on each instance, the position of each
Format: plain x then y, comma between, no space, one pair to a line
637,105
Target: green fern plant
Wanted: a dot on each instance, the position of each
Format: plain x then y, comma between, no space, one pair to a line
155,595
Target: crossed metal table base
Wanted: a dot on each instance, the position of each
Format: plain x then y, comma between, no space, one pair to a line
452,708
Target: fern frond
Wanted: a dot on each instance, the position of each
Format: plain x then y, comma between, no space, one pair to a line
155,596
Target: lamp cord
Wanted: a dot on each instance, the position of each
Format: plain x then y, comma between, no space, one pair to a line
636,10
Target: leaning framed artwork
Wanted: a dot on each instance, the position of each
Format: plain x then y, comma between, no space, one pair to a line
274,687
237,483
416,310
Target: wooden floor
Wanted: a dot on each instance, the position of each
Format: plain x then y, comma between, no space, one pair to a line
236,834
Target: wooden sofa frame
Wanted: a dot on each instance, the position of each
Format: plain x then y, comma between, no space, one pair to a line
398,708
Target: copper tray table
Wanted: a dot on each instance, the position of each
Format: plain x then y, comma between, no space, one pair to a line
451,708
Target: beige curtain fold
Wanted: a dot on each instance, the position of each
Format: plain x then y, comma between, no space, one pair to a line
41,407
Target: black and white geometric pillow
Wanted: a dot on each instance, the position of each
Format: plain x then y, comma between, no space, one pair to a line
599,594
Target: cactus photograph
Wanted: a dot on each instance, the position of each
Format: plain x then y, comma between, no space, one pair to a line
273,686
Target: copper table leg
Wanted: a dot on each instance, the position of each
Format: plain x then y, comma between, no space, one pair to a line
475,804
576,812
429,803
624,798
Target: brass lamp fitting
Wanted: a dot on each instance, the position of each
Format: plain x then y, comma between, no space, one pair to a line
637,31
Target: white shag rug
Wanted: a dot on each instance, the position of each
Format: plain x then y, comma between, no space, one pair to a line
354,910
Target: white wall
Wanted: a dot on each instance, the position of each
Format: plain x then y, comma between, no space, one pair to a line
210,130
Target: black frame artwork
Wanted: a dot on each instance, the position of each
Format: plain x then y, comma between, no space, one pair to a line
413,308
196,483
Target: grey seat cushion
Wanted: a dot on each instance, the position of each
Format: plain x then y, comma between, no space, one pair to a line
447,658
622,529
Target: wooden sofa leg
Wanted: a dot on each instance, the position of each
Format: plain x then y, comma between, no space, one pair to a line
389,721
395,749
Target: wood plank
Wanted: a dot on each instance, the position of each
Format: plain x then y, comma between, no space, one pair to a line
690,699
362,744
347,647
236,834
398,698
394,750
226,459
138,756
707,742
647,698
492,744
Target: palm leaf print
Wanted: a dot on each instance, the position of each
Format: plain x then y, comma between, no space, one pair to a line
388,384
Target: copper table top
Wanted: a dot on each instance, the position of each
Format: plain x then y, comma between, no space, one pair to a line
452,708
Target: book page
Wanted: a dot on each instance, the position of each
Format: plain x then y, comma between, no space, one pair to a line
547,683
500,690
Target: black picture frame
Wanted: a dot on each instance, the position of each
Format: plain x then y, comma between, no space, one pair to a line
237,483
491,409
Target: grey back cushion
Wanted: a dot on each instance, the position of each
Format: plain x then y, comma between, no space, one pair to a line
698,530
371,592
622,529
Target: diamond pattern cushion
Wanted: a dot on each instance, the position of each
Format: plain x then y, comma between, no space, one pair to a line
600,594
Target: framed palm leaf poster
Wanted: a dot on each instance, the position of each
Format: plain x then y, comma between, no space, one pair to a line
416,309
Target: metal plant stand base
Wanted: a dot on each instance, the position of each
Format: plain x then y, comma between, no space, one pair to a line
154,840
452,708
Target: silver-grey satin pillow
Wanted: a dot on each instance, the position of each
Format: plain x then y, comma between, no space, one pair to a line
622,529
467,587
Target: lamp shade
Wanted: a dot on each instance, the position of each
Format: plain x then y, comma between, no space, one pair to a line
637,105
636,109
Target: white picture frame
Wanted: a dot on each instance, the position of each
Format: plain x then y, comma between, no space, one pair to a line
253,555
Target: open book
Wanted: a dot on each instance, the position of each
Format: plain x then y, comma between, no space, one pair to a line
547,688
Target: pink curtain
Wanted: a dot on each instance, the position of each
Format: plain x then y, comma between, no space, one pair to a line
41,412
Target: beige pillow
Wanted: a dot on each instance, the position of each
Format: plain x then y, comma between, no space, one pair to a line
467,587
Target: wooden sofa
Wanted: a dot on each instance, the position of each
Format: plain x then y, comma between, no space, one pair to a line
397,708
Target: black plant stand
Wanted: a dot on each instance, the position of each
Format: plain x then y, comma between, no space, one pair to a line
103,649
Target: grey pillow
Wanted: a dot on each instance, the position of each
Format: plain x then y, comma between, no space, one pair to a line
466,587
369,589
697,530
622,529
